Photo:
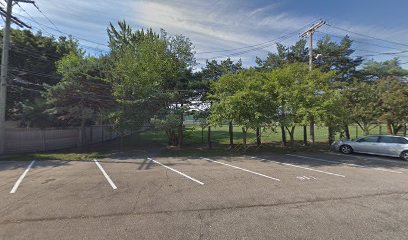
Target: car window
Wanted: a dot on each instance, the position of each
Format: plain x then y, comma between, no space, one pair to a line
368,139
399,140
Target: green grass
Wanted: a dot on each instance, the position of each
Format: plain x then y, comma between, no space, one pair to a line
195,144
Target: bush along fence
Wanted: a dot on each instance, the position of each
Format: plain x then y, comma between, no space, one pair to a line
19,140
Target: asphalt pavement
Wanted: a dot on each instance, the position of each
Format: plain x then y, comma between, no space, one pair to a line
275,196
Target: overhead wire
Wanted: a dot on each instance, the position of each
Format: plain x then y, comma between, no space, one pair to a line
368,36
250,46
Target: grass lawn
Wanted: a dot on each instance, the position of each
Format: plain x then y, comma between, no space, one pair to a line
195,144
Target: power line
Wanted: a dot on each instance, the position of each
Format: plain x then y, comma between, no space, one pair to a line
49,20
40,28
250,46
368,36
359,41
271,43
55,28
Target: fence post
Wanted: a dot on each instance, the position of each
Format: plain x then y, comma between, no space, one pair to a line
43,140
79,137
91,134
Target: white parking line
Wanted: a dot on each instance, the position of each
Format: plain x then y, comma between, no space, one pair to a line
369,158
349,164
14,189
243,169
292,165
174,170
105,174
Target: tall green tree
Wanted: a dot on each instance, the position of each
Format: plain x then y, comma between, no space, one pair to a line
213,71
83,91
150,74
32,64
243,99
393,103
362,104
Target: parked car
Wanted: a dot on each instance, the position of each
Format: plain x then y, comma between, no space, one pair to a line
384,145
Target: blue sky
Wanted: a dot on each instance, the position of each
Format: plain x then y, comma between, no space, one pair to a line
215,25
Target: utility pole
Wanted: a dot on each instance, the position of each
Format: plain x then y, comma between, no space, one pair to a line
4,65
310,32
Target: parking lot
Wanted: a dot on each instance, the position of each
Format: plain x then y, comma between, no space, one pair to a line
274,196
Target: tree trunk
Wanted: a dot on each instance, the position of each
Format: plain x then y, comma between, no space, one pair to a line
396,128
258,137
312,132
209,138
231,134
283,135
366,130
180,129
304,135
331,135
389,126
291,132
405,129
347,131
292,135
244,138
202,135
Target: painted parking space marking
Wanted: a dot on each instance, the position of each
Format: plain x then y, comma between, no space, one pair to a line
243,169
343,163
20,179
396,160
297,166
105,174
304,178
176,171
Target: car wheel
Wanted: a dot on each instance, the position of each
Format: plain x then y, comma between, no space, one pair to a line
346,149
404,155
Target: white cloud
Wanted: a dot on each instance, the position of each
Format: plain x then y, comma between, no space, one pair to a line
212,24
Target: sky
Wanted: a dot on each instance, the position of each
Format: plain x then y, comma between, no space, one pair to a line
378,27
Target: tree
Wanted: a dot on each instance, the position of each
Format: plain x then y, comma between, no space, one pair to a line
151,73
297,53
393,103
373,70
333,56
212,72
362,104
83,91
337,57
301,94
243,99
32,64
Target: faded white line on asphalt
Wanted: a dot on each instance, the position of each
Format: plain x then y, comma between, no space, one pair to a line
243,169
14,189
343,163
293,165
176,171
105,174
371,158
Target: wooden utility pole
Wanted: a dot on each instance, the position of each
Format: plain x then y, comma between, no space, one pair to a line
4,65
310,32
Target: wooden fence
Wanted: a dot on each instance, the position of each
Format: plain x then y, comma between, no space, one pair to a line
20,140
